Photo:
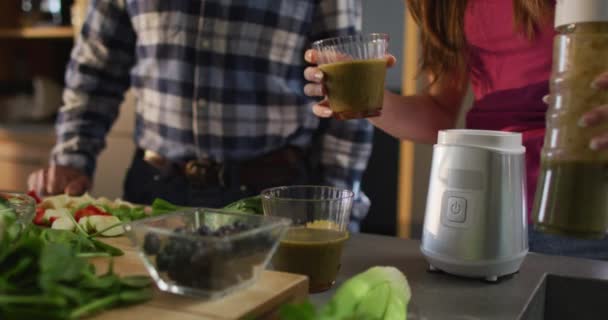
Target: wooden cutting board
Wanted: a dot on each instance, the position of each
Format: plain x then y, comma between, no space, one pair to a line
259,301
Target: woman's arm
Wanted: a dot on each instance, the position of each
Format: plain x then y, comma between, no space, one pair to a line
419,117
415,117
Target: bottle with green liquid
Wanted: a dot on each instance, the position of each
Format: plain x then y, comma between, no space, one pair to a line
572,193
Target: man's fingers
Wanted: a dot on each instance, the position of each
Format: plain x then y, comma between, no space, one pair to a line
36,182
55,180
77,186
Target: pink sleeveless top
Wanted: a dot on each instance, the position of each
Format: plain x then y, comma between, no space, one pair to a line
509,76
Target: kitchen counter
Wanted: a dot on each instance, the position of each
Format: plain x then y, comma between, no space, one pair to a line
443,296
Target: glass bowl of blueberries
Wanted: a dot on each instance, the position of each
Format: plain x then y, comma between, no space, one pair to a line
206,253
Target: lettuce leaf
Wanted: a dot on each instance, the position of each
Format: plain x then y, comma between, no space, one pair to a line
380,293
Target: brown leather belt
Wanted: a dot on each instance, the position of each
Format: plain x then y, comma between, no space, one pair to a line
275,168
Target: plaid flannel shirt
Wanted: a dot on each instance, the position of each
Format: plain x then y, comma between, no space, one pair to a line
212,78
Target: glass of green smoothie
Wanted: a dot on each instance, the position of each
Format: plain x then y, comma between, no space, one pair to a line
312,246
354,69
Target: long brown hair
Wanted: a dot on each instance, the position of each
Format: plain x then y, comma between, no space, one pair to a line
442,30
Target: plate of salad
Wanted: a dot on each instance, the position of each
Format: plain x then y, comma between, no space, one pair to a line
104,217
100,216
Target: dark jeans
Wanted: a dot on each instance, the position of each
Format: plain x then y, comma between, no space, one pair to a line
564,246
144,183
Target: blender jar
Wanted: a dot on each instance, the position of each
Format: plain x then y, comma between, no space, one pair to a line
572,193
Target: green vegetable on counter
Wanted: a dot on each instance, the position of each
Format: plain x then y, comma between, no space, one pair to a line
380,293
161,206
42,276
249,205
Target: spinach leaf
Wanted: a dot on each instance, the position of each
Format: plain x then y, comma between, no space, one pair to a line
251,205
42,276
161,206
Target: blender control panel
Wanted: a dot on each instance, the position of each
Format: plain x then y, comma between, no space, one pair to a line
457,209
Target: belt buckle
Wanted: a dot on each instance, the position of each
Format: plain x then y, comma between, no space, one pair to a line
204,173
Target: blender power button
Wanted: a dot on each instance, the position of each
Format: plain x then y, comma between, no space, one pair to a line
456,209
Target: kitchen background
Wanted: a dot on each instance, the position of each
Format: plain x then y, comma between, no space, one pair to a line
35,41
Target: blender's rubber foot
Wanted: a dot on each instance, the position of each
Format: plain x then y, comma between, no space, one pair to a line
492,279
433,269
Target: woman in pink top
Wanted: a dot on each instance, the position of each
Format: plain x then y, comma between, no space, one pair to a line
503,48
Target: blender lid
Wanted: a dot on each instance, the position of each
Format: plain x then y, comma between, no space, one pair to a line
575,11
495,140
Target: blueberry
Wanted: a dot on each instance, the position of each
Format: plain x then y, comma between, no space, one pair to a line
223,231
223,247
204,231
151,244
162,260
240,226
180,270
201,255
182,249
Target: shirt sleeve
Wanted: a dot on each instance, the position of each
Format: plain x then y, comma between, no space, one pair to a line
346,145
96,79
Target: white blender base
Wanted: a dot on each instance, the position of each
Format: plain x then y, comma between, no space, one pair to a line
489,270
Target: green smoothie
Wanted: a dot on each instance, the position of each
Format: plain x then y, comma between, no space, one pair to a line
573,197
312,252
355,89
572,194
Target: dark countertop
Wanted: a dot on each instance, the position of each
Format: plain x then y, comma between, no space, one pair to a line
443,296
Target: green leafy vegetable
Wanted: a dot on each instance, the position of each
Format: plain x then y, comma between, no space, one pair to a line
85,245
126,213
160,206
249,205
252,205
42,276
380,293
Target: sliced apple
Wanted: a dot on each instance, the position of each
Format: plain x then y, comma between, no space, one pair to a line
63,223
100,223
55,213
86,225
55,202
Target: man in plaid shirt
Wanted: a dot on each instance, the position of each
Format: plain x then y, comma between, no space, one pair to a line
220,112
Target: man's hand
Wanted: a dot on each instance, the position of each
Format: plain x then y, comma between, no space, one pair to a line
59,179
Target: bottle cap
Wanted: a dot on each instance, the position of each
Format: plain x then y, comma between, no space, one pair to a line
576,11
